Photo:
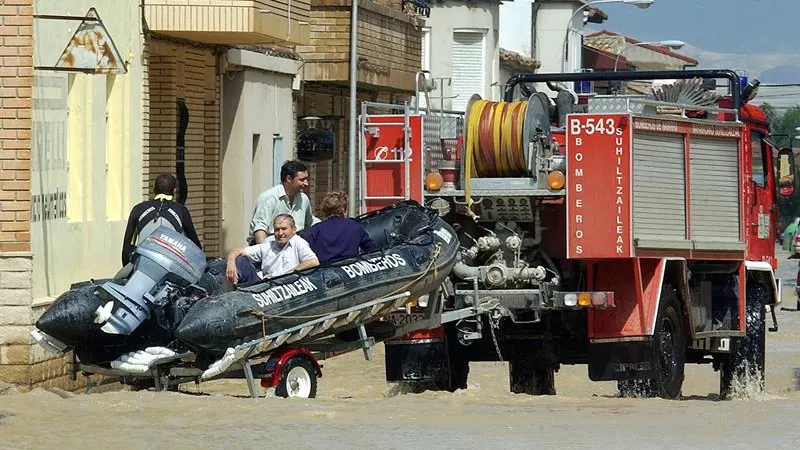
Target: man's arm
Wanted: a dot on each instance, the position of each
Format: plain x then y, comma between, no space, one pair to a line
188,228
230,268
260,236
262,219
307,257
307,264
309,214
130,235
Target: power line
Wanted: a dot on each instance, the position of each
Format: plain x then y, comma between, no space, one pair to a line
779,85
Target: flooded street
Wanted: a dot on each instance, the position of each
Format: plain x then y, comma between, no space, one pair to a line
356,408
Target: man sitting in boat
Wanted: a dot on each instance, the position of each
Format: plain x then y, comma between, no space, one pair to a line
281,253
338,236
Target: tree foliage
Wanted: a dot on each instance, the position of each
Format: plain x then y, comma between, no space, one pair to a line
783,130
784,126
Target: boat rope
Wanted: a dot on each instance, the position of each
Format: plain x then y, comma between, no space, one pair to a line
494,142
431,266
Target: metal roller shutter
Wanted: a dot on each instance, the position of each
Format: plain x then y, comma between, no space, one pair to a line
659,203
468,68
715,189
426,61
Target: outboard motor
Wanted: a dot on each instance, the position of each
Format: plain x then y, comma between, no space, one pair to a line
163,263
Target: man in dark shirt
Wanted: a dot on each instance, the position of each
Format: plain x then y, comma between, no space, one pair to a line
338,236
160,211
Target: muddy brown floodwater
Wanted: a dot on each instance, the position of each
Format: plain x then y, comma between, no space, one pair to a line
356,408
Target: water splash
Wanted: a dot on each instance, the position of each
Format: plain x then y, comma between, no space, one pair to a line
748,384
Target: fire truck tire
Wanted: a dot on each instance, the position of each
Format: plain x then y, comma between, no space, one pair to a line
636,388
526,378
743,369
298,379
669,346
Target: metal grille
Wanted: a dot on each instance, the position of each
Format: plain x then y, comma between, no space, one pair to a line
616,104
452,126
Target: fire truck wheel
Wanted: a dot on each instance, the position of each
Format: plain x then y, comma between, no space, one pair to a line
298,379
669,346
742,371
636,388
526,378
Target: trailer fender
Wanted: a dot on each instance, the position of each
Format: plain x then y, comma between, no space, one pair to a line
766,273
274,367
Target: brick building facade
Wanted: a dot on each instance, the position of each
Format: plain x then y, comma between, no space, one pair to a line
389,55
78,150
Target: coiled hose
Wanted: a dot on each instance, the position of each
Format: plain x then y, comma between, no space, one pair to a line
494,142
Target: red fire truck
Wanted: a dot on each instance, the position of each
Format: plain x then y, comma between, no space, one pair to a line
633,233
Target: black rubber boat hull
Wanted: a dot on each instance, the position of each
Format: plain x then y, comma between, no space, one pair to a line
223,321
410,237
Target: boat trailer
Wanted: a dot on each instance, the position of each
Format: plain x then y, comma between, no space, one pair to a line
263,355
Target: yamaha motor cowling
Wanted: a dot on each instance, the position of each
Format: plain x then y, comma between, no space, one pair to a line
164,263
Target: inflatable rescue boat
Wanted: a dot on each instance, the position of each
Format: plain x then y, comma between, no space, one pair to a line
175,299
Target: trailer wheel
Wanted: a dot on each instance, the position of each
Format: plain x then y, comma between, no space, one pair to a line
669,348
743,369
298,379
526,378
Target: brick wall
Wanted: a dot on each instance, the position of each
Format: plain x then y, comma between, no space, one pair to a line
17,355
389,44
328,101
177,70
16,77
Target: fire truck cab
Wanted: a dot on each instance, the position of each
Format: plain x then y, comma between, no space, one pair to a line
633,233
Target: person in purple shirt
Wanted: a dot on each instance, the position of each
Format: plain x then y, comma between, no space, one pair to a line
338,236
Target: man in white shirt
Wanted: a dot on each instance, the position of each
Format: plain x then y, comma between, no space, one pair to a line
279,254
285,198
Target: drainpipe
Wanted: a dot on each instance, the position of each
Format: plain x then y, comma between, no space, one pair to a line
180,151
352,175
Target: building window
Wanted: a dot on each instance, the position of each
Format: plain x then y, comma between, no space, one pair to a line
469,66
426,61
757,150
426,49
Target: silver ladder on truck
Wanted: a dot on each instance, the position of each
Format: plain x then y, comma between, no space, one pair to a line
372,128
